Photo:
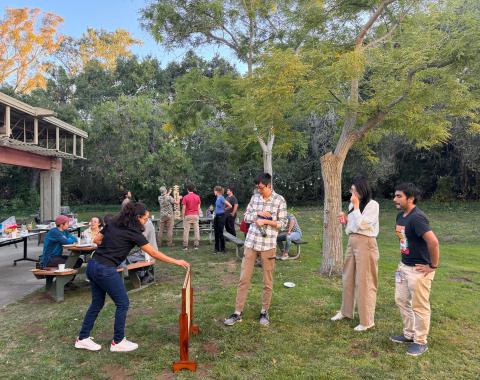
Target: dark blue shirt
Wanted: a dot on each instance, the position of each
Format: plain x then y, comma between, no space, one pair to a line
52,245
220,205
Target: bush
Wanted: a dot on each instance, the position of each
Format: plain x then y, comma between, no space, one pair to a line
444,191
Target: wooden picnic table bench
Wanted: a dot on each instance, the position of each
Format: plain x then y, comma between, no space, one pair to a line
298,244
239,243
133,275
57,288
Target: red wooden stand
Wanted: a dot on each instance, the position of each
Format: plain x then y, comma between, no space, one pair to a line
186,326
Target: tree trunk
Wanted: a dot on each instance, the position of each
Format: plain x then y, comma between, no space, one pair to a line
332,261
267,154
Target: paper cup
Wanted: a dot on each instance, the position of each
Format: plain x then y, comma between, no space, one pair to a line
61,267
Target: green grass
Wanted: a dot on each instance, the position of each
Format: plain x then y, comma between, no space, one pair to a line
36,334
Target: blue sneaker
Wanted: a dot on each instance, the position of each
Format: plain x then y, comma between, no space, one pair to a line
416,349
400,339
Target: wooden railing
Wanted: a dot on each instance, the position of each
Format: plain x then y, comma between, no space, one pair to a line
186,326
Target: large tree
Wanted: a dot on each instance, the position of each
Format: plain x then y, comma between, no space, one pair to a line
248,28
28,38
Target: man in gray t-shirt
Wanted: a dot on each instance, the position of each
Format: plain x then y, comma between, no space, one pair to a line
231,213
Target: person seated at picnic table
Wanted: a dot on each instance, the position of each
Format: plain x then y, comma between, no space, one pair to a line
210,213
96,225
58,236
294,233
115,242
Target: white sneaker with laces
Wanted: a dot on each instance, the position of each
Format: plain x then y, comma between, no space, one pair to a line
87,344
338,317
123,346
363,328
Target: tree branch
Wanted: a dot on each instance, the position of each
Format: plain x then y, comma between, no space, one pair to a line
386,36
370,22
381,113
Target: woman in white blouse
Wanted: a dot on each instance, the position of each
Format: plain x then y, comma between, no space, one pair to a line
96,225
360,270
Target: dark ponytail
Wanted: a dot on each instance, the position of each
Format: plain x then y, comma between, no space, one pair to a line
128,217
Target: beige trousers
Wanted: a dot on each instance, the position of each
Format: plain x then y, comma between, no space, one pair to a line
168,224
189,221
360,278
412,296
248,265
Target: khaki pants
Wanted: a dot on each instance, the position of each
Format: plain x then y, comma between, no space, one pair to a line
248,264
412,296
360,278
168,224
188,221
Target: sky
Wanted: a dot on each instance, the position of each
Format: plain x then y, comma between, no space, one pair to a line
79,15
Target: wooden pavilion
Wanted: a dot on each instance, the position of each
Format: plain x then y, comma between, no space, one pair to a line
33,137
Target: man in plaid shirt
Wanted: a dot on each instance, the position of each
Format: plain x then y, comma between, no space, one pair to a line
267,214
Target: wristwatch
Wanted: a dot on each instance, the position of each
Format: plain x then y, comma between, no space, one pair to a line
432,266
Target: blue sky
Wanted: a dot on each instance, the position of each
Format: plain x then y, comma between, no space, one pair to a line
79,15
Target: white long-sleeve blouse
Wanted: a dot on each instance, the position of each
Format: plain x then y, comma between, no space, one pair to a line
364,223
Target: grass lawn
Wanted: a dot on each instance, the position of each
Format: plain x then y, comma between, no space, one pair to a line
37,335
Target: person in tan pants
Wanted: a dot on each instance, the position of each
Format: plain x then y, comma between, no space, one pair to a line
360,269
420,255
267,214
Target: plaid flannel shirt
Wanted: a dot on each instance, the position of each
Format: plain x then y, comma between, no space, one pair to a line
276,206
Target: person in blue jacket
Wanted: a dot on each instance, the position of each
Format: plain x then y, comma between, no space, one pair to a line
54,240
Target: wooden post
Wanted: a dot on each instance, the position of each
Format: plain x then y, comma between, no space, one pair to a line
74,145
35,131
49,194
81,147
8,131
57,138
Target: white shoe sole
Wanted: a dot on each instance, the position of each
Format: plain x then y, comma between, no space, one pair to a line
87,348
122,350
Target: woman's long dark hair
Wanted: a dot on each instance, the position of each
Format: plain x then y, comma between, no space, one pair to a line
363,189
128,217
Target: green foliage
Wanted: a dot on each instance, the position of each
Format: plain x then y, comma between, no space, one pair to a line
445,190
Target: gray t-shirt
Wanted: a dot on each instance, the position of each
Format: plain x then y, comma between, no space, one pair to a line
233,201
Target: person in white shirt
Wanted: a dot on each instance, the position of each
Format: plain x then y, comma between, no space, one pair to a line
360,269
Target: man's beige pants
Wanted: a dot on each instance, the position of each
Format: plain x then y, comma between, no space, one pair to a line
189,221
248,265
360,278
168,224
412,296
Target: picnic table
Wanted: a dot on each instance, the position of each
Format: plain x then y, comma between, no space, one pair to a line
19,239
77,250
205,224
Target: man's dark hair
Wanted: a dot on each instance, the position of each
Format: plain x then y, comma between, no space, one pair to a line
190,187
264,179
410,191
231,188
125,194
363,189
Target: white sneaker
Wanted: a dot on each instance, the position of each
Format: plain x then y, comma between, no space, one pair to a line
363,328
123,346
87,344
338,317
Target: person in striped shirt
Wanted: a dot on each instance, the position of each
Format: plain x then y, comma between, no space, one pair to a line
267,214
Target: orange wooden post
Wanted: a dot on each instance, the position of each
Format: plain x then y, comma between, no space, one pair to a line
186,327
